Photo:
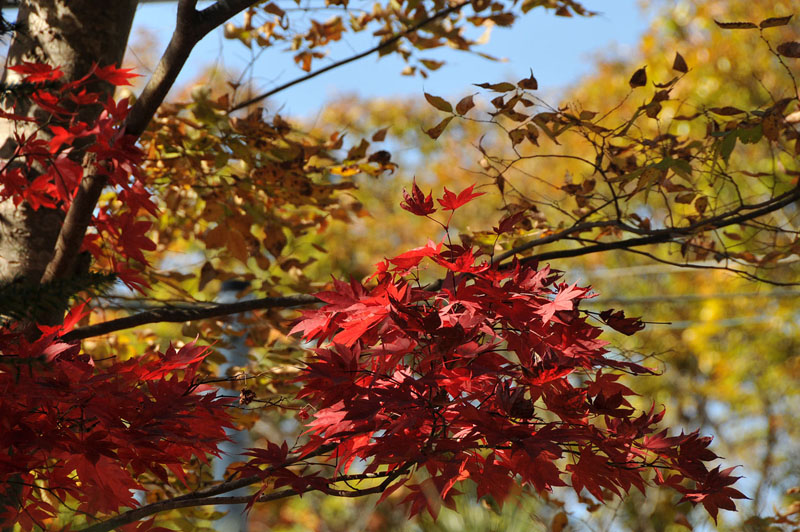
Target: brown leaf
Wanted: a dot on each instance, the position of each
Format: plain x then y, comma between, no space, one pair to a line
773,22
382,157
237,246
789,49
464,105
726,111
207,274
275,240
439,103
701,204
275,10
358,152
528,83
735,25
497,87
437,130
380,135
559,521
431,64
532,134
563,11
680,64
639,78
652,109
517,136
216,237
770,125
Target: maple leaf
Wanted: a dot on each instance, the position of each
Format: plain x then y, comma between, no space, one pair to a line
416,202
617,321
564,300
451,201
507,224
37,72
411,258
715,491
115,76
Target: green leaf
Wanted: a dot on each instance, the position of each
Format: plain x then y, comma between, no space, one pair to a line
751,135
727,145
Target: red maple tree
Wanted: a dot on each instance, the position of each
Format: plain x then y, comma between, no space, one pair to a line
492,375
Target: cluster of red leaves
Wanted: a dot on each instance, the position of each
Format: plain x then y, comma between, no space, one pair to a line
78,432
47,173
73,431
495,377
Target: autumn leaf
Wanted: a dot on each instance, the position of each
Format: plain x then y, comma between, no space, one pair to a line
617,321
451,201
774,22
416,202
437,130
789,49
528,83
464,105
439,103
116,76
735,25
639,78
680,64
497,87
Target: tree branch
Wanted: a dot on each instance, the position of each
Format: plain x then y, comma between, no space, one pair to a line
178,314
190,26
204,496
382,46
662,235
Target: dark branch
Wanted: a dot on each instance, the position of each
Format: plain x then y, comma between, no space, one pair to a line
203,497
382,46
191,26
178,314
662,235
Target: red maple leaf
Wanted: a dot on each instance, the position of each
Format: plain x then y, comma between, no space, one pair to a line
416,202
451,201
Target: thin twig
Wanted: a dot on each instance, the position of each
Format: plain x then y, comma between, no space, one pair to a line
382,46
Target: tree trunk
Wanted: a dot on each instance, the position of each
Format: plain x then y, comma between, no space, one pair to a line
74,35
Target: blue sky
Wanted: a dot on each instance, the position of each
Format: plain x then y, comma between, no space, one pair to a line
558,50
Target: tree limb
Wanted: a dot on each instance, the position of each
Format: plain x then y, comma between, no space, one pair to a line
190,26
178,314
660,236
382,46
204,496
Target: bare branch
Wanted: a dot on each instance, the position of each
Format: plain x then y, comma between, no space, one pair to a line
732,217
382,46
179,314
191,26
